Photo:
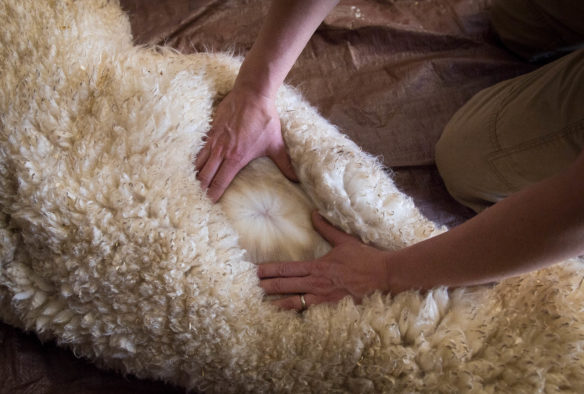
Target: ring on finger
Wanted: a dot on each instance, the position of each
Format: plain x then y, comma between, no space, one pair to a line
302,303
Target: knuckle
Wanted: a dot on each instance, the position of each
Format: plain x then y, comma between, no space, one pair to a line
216,152
319,282
218,183
277,286
203,179
236,156
318,268
224,135
284,270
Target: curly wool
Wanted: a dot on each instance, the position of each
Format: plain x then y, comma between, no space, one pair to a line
109,246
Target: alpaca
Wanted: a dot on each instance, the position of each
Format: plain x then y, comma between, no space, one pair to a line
109,245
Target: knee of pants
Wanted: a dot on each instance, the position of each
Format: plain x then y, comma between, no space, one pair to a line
447,163
451,166
461,157
503,139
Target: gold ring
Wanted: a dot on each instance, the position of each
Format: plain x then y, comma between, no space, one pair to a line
302,302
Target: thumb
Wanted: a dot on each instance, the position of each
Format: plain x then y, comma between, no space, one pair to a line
282,160
329,232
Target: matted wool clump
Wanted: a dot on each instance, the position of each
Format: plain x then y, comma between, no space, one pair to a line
109,246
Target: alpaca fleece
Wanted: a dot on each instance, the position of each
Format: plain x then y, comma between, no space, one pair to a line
271,215
109,246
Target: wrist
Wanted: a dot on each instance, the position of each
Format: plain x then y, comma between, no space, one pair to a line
404,272
261,77
394,273
256,88
248,95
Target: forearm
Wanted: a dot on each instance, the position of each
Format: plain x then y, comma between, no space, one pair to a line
531,229
288,27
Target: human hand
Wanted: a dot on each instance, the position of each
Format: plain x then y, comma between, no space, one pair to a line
350,268
246,126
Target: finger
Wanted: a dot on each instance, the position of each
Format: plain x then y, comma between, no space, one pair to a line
329,232
222,179
202,157
206,175
285,269
294,302
295,284
282,160
205,151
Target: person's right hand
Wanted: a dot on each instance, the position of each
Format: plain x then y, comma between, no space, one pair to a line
246,126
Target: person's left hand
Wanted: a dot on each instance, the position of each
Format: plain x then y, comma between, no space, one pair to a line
350,268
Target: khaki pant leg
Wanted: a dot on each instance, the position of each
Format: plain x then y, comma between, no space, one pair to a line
514,134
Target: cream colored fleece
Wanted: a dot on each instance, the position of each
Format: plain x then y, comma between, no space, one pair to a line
108,245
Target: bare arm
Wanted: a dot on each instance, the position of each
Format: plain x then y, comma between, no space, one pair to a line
246,124
534,228
289,26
